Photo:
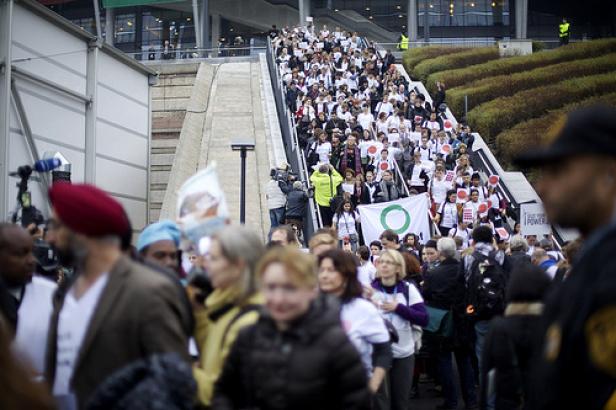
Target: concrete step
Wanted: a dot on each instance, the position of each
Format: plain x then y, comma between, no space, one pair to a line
161,159
176,91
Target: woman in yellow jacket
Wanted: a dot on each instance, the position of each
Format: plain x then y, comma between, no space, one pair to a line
233,305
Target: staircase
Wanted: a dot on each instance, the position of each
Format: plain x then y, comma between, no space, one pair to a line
170,98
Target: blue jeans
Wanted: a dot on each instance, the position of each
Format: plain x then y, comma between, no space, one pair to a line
276,217
465,371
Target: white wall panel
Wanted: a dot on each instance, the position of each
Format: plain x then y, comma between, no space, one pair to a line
120,178
136,211
118,143
65,54
127,113
115,75
58,121
53,116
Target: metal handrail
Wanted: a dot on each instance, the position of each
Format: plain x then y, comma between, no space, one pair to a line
315,215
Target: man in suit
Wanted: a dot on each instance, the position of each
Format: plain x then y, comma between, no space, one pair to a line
113,311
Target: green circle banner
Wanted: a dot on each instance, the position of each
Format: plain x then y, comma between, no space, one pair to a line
391,208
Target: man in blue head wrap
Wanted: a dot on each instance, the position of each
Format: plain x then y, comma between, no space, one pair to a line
158,244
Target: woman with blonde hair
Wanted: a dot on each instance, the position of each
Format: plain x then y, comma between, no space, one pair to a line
233,305
401,304
297,356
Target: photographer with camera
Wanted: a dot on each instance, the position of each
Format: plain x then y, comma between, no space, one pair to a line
297,199
276,193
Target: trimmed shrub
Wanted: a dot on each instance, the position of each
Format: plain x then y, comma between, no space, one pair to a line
414,56
488,89
497,115
456,76
538,46
535,132
463,59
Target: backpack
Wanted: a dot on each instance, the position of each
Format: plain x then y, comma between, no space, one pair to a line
486,285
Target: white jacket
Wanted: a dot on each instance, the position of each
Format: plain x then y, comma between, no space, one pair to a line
275,197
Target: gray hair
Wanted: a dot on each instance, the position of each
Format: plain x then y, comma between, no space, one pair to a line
447,248
518,243
239,244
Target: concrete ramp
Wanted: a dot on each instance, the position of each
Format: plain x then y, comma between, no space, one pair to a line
227,101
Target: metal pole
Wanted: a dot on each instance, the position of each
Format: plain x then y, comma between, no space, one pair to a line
90,115
411,20
243,187
97,21
204,21
6,12
197,23
426,21
109,26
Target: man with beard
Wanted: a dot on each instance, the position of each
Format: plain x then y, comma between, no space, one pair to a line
577,355
26,298
113,311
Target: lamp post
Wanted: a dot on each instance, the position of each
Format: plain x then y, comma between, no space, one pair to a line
243,145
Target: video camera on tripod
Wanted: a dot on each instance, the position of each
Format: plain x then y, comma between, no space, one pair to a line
25,212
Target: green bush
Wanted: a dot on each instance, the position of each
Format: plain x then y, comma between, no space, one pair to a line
460,75
535,132
538,46
463,59
488,89
415,56
497,115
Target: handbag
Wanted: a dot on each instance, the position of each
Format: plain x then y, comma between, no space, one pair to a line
440,322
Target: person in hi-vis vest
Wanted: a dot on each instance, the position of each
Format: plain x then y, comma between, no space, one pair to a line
403,44
563,32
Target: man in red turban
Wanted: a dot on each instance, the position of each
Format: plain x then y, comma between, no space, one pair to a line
113,311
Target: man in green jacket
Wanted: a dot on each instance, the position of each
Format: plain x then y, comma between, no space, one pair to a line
325,181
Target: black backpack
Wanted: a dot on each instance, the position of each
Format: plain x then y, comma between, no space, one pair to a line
486,285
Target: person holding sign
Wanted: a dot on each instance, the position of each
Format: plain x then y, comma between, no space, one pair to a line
576,367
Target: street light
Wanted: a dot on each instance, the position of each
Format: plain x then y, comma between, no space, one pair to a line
243,144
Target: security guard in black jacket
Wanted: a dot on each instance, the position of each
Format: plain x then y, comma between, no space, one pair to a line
576,357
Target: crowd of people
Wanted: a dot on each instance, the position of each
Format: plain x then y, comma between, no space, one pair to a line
232,322
264,327
368,137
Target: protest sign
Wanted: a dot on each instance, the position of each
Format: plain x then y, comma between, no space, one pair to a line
533,220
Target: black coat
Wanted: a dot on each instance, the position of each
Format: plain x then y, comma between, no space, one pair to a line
166,380
443,288
509,349
296,204
312,365
577,367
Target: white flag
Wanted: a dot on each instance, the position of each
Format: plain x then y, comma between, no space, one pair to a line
407,215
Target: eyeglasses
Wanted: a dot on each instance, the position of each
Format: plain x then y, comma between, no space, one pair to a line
388,262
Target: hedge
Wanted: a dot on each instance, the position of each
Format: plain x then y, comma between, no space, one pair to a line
488,89
463,59
415,56
534,132
497,115
456,76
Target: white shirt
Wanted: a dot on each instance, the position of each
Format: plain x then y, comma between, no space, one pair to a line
439,190
366,273
365,120
449,214
406,342
73,324
34,313
346,224
324,150
364,327
465,234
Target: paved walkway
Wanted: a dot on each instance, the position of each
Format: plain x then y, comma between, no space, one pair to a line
235,110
